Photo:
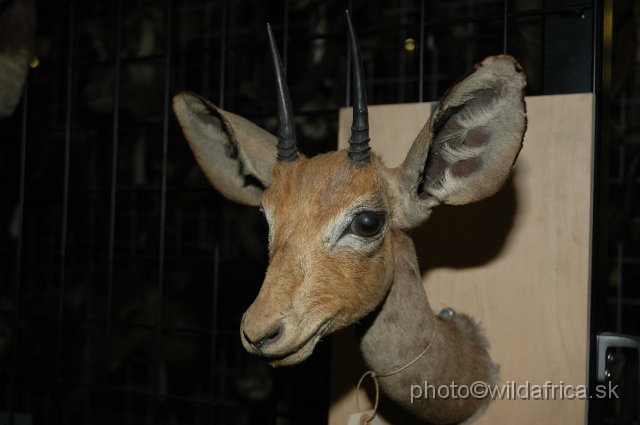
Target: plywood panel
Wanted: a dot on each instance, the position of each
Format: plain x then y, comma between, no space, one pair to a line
518,262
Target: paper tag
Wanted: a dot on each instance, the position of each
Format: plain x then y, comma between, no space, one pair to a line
359,419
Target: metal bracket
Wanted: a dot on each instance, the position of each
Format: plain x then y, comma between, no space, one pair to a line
607,340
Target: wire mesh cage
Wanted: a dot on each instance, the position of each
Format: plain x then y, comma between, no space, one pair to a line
126,275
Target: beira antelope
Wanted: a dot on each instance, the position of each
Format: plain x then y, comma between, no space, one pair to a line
338,245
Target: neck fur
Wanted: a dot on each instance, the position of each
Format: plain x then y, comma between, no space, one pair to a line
403,327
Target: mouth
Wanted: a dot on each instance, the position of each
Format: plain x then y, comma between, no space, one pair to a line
302,351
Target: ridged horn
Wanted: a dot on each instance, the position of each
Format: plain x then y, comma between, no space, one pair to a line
359,150
287,149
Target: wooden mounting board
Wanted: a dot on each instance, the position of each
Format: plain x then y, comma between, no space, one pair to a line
518,262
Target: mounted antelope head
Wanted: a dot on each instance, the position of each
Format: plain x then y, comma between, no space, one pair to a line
337,222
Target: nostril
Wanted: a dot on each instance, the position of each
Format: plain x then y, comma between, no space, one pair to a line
247,338
265,340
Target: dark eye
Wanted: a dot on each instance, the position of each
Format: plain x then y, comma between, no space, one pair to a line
367,224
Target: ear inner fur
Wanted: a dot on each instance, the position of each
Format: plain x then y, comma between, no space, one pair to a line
468,147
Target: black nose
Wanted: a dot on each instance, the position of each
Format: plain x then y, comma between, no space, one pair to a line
265,340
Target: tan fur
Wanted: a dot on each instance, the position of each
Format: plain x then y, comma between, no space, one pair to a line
326,287
322,277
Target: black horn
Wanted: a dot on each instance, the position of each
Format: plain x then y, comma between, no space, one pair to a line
287,150
359,150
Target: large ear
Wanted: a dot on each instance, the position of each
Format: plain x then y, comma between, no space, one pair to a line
236,155
469,145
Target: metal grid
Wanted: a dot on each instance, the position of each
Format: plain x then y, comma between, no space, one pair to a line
127,274
620,290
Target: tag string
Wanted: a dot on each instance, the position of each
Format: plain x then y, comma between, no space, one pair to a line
375,376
